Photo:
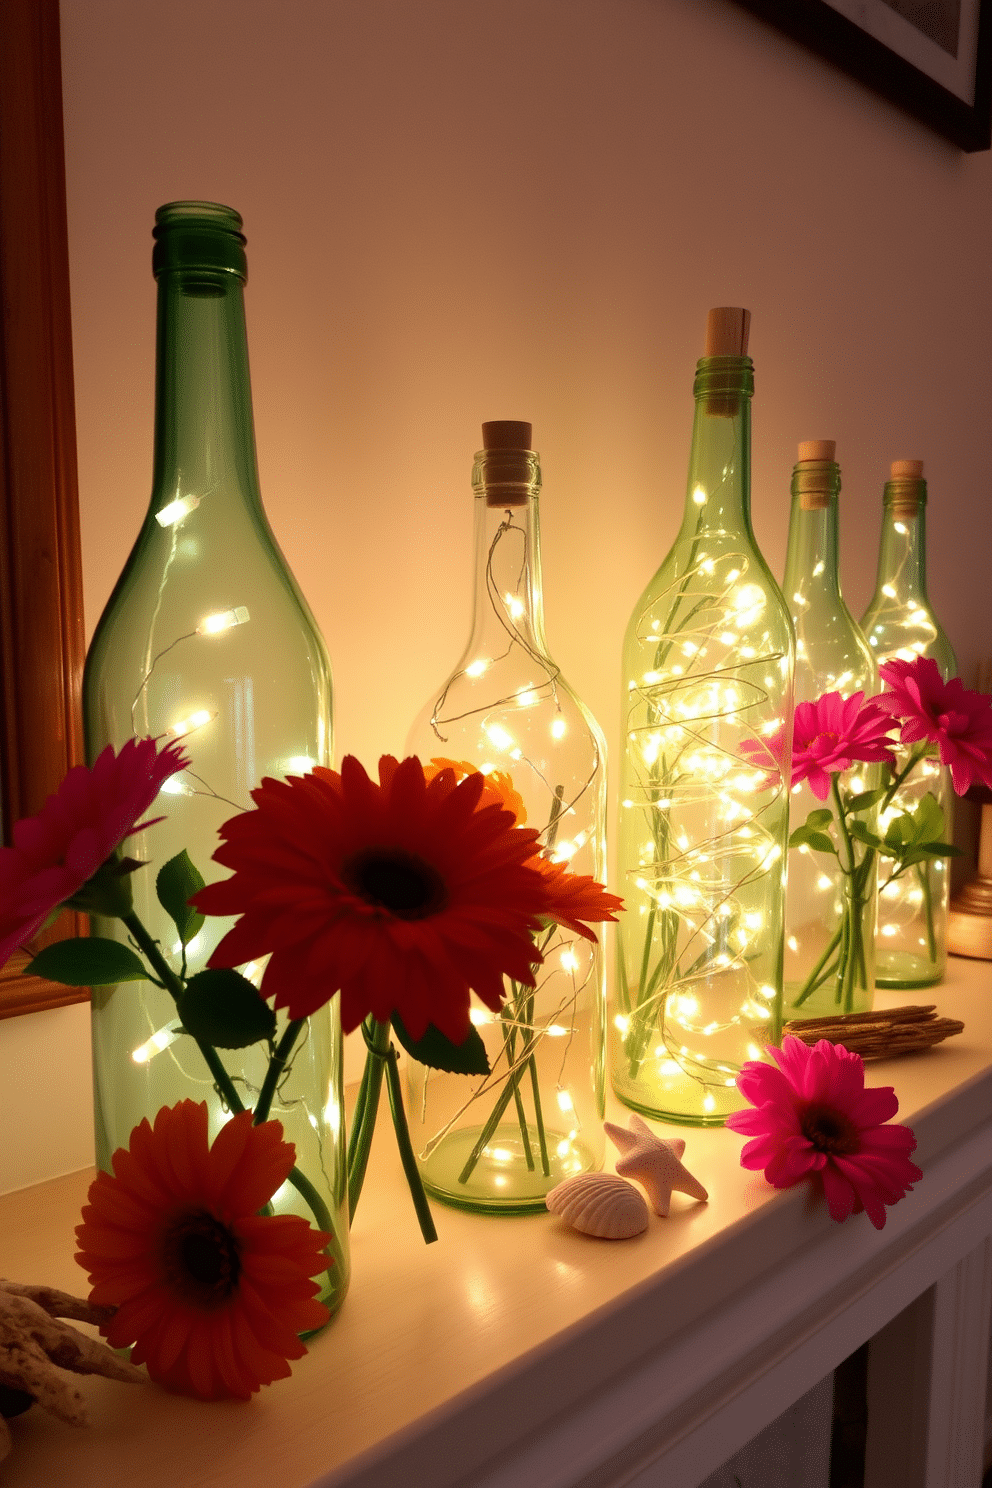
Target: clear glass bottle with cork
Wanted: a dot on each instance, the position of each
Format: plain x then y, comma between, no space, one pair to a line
500,1142
704,801
830,900
911,941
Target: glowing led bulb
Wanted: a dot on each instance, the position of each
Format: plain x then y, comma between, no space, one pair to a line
223,620
699,496
158,1041
176,510
499,736
476,668
565,1101
514,605
194,721
559,728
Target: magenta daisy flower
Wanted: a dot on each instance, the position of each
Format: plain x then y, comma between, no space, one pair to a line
55,853
833,733
954,717
814,1116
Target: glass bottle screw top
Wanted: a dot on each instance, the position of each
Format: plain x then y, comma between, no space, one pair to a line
501,1142
704,802
900,623
207,638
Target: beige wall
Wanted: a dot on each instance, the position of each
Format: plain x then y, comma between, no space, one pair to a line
469,209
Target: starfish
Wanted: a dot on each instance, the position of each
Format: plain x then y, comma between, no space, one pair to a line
656,1163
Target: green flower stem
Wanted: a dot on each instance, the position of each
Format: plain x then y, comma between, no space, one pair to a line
223,1081
897,780
174,987
277,1065
405,1146
363,1123
923,874
814,979
495,1115
536,1093
382,1060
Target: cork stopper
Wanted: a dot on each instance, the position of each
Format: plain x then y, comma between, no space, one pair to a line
507,469
815,478
905,490
817,449
727,330
906,470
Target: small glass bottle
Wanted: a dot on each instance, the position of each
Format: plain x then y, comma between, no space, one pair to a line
911,942
501,1142
704,801
207,638
829,913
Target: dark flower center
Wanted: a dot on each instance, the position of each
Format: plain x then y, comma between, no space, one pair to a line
829,1130
398,881
201,1258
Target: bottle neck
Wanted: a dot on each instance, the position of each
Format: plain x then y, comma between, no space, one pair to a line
204,432
508,606
902,562
718,500
811,560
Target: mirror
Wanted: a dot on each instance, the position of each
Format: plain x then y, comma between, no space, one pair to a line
41,610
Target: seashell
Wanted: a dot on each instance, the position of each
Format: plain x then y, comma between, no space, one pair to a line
600,1204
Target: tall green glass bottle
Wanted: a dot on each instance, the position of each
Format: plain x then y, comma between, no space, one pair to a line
207,638
500,1142
704,802
829,912
911,943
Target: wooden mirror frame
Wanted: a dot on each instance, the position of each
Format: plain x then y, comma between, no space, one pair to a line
41,609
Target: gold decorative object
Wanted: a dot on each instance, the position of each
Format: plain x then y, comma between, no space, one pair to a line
881,1034
36,1349
655,1162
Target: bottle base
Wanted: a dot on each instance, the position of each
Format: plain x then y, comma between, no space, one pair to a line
500,1180
658,1112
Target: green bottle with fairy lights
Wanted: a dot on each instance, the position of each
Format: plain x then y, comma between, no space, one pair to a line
900,623
704,801
206,638
830,900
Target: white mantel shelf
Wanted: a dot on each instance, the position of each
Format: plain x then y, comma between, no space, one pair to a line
516,1352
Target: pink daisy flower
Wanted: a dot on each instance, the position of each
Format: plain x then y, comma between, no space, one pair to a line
814,1116
79,827
950,715
833,733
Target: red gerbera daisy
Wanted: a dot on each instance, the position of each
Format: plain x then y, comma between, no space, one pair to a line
950,715
79,827
212,1294
814,1116
832,733
405,894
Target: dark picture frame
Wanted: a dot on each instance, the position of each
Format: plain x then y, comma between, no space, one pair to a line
41,608
847,45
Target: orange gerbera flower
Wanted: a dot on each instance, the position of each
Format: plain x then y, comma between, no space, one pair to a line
496,791
405,894
212,1294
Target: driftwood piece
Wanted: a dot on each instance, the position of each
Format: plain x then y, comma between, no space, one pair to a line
36,1348
881,1034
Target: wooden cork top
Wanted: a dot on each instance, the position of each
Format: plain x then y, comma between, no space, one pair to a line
906,470
509,468
727,330
500,434
817,449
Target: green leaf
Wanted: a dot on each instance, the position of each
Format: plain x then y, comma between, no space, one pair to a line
224,1009
861,833
864,801
810,837
176,881
941,850
820,817
928,820
90,962
900,831
437,1050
